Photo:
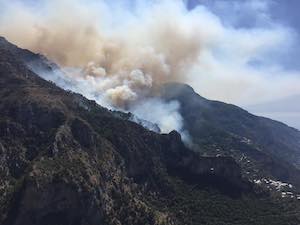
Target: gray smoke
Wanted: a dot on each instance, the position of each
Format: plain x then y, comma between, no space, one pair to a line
115,52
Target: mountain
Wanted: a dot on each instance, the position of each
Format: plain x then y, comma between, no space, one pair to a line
66,160
264,148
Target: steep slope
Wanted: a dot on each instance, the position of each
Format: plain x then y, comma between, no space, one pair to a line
66,160
263,147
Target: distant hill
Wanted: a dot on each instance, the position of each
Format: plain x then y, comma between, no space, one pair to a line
263,147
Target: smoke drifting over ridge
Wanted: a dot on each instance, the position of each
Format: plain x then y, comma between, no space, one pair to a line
116,51
125,59
115,62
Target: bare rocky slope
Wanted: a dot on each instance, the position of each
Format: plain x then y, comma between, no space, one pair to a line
64,160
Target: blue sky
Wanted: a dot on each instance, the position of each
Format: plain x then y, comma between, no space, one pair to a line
285,12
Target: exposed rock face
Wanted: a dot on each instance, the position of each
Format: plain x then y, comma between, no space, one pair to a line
66,160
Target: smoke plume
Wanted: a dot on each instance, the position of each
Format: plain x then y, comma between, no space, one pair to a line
116,51
125,59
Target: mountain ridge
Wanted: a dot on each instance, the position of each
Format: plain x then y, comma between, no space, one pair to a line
67,160
215,125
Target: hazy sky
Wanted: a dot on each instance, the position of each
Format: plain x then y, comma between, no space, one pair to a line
243,52
237,13
285,12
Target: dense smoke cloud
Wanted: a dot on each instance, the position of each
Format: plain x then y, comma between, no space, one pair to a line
116,51
128,57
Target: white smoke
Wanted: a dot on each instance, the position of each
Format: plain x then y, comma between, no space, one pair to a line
159,112
116,51
126,60
165,115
